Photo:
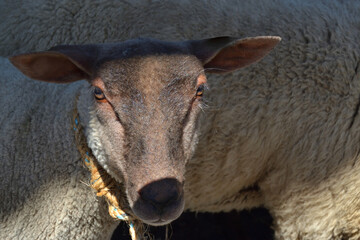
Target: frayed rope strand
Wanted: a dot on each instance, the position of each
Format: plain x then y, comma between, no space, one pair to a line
105,185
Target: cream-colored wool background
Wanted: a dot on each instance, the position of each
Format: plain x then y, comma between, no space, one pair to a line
287,124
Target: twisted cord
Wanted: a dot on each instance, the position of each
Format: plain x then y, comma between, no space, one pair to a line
104,185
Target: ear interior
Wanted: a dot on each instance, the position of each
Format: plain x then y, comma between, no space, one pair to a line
49,66
225,54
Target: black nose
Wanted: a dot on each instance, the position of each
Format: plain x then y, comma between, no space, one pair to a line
162,193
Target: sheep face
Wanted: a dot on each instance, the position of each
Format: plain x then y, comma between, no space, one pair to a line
144,116
143,105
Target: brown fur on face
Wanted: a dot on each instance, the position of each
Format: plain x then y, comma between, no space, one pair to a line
152,100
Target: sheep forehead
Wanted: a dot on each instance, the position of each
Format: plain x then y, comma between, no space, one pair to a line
149,75
146,64
140,48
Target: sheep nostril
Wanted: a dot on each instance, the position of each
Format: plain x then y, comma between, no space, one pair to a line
161,193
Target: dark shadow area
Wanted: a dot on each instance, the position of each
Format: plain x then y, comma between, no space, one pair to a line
245,225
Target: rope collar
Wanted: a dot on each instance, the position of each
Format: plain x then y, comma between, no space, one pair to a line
104,185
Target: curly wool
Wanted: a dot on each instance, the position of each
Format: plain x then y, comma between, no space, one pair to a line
41,166
287,126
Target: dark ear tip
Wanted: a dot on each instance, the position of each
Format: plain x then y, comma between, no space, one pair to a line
12,59
15,60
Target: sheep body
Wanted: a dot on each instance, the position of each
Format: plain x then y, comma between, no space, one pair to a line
44,186
283,133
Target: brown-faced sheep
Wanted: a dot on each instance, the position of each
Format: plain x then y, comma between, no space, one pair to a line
283,133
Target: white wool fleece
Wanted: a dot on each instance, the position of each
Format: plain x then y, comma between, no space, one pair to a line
282,133
43,186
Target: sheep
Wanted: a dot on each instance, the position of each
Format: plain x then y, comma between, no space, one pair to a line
139,123
282,133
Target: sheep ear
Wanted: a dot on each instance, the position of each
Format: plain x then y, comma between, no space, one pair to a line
61,64
226,54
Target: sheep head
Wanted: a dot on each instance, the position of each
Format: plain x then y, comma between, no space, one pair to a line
140,110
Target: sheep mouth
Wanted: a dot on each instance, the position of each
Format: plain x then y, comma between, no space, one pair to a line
151,215
159,222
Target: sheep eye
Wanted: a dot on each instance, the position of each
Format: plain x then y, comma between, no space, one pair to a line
200,90
98,93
